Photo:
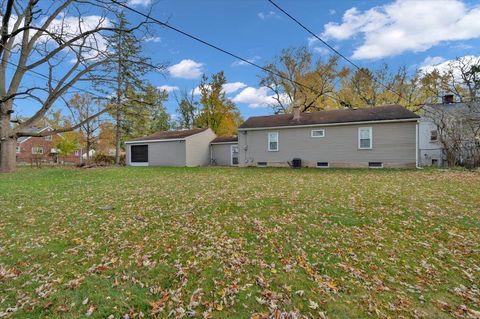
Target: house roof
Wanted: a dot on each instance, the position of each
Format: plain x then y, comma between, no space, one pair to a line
31,130
225,139
379,113
168,135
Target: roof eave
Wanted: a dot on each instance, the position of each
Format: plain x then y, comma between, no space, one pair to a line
413,119
157,140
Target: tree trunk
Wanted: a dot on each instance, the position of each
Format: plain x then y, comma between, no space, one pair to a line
117,136
8,146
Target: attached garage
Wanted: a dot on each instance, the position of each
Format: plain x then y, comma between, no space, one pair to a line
224,151
171,148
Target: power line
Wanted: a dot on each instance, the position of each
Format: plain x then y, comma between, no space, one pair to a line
168,26
332,48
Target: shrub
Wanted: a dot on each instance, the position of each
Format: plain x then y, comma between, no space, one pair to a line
106,160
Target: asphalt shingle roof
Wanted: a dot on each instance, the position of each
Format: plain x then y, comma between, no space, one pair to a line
225,139
166,135
379,113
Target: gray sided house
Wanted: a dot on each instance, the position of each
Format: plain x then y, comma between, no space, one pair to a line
171,148
384,136
224,151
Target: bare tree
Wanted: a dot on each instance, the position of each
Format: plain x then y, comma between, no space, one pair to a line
187,108
458,124
62,45
294,78
82,107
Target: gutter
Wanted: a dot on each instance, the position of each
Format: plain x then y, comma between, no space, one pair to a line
152,141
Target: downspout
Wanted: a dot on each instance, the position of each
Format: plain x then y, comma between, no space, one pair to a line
416,146
211,154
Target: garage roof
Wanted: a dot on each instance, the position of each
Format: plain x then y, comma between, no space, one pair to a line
168,135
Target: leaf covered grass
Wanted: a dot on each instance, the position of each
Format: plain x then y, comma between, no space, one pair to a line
239,243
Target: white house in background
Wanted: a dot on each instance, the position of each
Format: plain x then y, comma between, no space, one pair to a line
450,113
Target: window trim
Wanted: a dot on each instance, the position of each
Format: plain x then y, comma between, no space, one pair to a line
48,138
374,166
268,142
317,130
38,148
433,133
18,150
322,166
370,137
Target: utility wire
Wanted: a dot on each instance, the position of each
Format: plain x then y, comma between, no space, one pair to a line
168,26
332,48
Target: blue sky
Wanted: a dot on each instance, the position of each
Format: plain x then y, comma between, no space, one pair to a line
412,33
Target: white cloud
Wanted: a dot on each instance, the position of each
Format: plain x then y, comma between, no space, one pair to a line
432,61
332,12
70,26
233,87
321,50
406,25
445,65
255,98
152,39
243,63
167,88
139,2
186,69
267,15
227,88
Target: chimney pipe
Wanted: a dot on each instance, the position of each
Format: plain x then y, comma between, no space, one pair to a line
447,99
296,113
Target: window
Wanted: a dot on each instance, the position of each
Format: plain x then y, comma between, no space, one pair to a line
322,164
37,150
77,152
375,164
433,136
272,141
47,138
364,137
262,164
139,154
318,133
18,150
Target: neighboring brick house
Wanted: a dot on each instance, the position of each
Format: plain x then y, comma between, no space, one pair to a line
32,150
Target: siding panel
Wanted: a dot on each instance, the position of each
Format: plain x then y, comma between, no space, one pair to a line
221,153
198,148
393,144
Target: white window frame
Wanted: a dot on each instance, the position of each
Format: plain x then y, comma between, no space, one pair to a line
18,150
48,138
370,137
37,148
278,142
317,136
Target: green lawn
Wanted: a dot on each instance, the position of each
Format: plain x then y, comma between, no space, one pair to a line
239,243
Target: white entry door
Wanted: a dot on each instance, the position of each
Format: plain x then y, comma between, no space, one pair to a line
234,155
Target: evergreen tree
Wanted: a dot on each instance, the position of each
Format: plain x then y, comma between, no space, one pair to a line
130,67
